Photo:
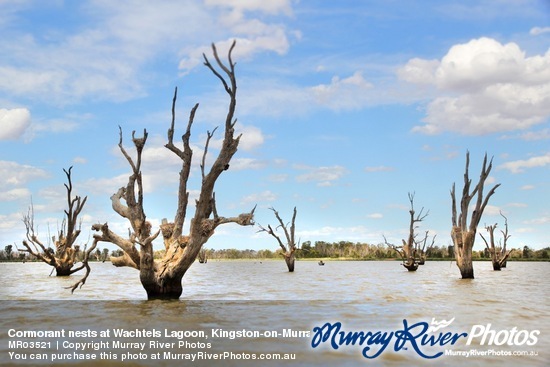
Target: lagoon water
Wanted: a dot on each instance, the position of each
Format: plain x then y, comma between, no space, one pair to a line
253,295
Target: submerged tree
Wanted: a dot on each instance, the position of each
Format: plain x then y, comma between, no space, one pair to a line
162,278
413,251
462,233
289,251
203,256
64,257
499,255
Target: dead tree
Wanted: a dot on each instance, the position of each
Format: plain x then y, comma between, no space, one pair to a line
65,255
462,233
289,251
203,257
499,255
162,278
413,251
422,250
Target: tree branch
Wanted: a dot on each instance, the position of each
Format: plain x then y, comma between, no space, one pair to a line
85,264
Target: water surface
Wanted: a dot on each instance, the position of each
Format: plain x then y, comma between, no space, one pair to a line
363,296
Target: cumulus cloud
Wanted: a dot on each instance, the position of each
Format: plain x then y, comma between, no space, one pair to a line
520,166
251,33
251,138
342,93
14,122
419,71
487,87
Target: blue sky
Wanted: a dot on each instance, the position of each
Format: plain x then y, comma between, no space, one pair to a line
345,107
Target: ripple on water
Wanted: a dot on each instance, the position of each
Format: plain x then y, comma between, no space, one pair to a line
362,295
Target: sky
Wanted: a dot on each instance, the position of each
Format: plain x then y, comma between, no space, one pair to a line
345,107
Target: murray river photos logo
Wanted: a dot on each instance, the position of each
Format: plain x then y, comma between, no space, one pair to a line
428,340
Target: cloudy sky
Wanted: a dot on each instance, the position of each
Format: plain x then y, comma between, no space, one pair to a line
345,107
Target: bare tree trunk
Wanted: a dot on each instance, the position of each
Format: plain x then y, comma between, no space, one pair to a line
203,258
65,255
162,278
289,253
462,234
498,256
412,250
290,260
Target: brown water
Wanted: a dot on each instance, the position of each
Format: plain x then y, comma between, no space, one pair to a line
263,296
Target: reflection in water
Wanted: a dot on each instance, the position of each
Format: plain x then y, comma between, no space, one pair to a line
368,296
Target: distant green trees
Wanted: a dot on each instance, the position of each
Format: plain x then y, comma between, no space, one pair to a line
321,249
9,254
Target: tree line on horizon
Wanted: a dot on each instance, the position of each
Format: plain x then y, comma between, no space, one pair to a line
308,250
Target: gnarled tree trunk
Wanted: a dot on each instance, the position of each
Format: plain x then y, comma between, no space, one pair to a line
289,253
498,255
162,278
463,234
63,258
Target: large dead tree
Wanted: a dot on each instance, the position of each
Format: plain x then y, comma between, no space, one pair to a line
289,251
499,254
413,250
462,233
64,257
162,278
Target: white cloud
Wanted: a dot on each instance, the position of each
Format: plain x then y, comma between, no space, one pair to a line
520,166
55,126
347,93
539,220
259,197
282,177
14,123
105,55
517,205
324,176
487,87
379,169
543,134
15,194
419,71
15,174
251,138
252,34
353,233
376,216
269,7
490,210
527,187
238,164
535,31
